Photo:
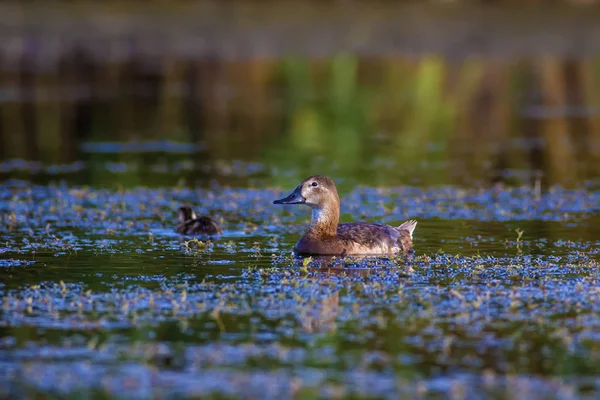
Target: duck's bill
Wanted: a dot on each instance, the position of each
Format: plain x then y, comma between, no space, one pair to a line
294,198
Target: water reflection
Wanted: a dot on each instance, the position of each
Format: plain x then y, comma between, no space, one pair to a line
394,119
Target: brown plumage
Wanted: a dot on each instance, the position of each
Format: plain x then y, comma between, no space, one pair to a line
325,236
190,224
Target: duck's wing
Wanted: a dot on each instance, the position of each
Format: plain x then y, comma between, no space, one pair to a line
378,238
369,238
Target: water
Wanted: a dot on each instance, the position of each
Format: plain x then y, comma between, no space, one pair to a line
490,146
98,294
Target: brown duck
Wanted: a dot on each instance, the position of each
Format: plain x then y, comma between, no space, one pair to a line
325,236
190,224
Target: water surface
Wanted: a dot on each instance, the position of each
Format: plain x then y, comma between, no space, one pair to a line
99,295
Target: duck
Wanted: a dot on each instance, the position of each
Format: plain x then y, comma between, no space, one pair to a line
327,237
190,224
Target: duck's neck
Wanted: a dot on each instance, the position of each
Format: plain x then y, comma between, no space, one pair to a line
324,221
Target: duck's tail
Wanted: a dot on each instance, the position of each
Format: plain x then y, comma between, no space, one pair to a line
408,226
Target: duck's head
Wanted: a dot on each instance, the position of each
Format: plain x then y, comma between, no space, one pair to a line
185,213
316,192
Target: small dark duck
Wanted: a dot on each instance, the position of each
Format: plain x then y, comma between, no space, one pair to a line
190,224
325,236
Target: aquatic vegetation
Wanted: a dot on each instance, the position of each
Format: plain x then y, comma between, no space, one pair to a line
98,295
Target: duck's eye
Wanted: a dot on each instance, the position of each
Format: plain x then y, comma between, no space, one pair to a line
314,184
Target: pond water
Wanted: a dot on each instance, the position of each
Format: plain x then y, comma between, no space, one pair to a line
100,296
495,155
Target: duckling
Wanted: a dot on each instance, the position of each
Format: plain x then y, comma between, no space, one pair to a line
325,236
190,224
